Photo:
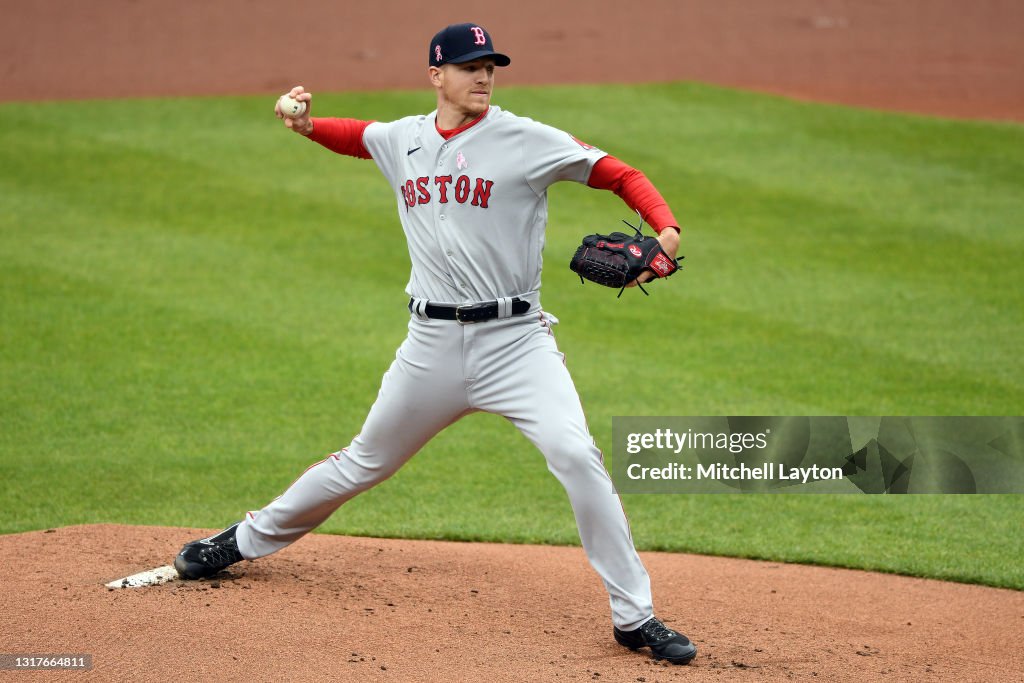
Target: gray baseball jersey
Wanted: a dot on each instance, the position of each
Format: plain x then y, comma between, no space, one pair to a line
474,208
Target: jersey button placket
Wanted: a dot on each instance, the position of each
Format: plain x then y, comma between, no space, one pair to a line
443,218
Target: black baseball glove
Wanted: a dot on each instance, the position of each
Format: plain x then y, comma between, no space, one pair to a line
617,259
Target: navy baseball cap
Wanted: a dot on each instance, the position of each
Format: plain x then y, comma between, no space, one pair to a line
461,43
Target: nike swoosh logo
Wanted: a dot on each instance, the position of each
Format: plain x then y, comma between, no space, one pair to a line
411,151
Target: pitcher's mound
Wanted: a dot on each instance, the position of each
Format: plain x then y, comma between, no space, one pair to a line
338,608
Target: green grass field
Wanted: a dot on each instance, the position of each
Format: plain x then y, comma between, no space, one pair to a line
196,304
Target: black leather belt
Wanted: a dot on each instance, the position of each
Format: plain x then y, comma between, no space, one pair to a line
470,313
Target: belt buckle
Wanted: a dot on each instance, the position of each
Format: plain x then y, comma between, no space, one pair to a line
458,315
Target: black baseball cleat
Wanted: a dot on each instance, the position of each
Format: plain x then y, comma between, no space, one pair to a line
664,642
207,556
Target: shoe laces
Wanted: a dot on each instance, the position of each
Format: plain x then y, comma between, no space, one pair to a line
657,631
221,554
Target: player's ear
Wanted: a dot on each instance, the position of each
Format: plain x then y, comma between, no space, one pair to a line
435,75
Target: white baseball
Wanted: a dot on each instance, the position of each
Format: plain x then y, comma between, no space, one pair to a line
291,107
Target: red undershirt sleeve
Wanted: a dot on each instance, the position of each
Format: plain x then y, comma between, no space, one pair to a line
344,136
633,187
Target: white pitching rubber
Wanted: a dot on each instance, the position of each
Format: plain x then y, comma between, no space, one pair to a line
151,577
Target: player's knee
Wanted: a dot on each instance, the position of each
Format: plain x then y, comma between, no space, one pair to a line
357,472
575,460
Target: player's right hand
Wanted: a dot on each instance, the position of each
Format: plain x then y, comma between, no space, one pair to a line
299,124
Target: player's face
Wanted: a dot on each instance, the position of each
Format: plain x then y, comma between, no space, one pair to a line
467,87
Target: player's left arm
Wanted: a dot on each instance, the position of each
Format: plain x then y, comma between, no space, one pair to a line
639,194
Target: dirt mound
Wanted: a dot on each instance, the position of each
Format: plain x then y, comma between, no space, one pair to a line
343,608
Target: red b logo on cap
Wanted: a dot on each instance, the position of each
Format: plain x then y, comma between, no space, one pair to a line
479,33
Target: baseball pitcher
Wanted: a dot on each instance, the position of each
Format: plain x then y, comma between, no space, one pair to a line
470,183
